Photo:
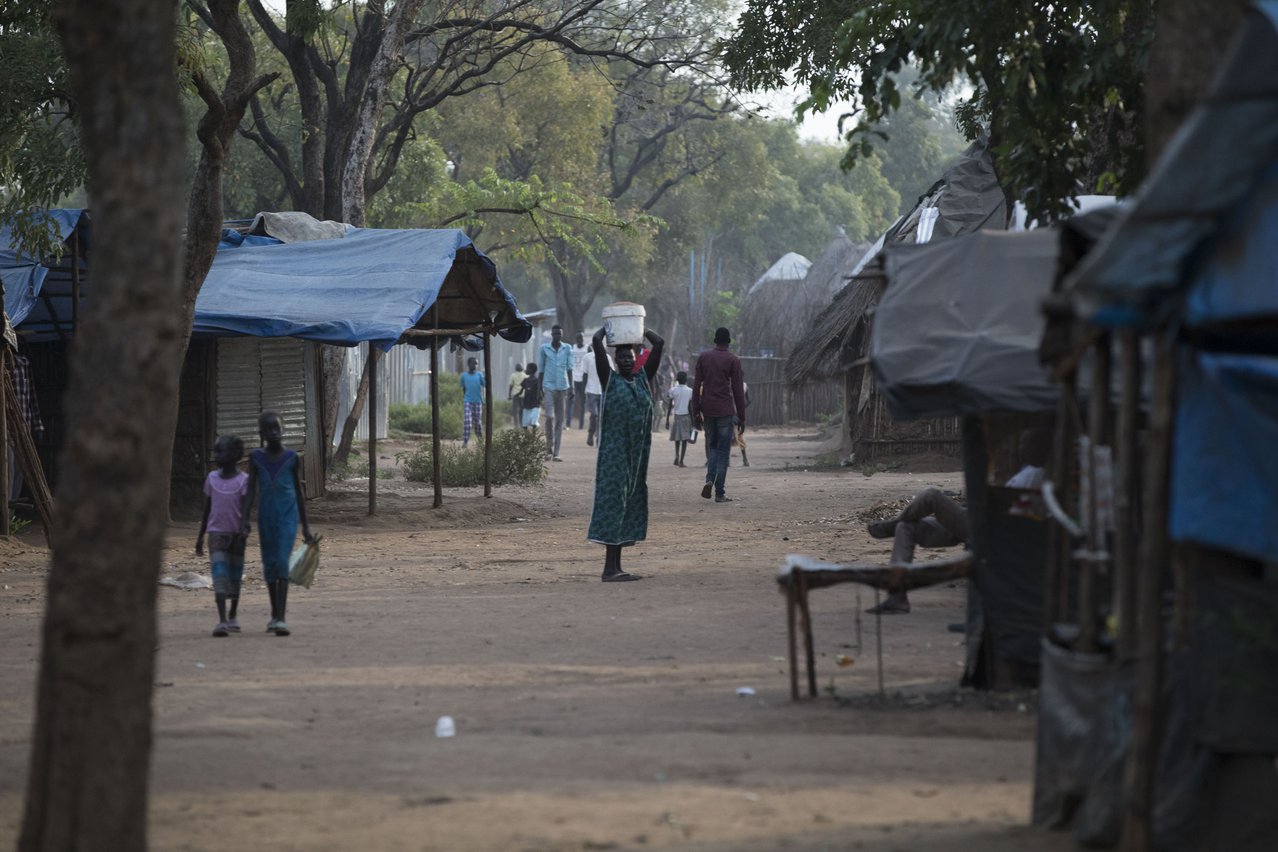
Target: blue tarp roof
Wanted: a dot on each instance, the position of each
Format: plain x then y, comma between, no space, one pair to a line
1214,166
30,287
371,285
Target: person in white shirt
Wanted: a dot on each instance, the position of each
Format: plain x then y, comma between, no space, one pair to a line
593,394
934,520
681,433
579,372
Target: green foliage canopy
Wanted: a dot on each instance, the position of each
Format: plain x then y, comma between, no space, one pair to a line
1058,86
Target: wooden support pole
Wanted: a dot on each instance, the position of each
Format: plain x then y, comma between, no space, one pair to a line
1093,567
1057,581
805,613
791,604
436,473
372,431
488,415
1142,760
1126,503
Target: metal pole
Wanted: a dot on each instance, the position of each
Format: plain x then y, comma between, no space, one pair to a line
434,423
372,430
488,415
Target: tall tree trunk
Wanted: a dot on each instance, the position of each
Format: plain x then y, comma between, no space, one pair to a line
90,757
364,129
357,408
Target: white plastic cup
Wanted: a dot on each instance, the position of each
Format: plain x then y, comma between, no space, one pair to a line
445,727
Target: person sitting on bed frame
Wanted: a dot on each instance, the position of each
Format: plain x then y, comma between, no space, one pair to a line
932,519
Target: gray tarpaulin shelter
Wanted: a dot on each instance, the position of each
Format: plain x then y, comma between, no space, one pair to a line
957,334
957,329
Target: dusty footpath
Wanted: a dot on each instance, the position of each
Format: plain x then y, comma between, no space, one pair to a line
589,716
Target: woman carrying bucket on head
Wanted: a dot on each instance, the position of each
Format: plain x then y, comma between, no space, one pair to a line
620,514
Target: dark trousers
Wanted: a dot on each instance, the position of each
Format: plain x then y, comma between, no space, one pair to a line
718,448
579,402
930,520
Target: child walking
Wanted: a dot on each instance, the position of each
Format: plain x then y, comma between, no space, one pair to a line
530,397
276,484
225,490
678,398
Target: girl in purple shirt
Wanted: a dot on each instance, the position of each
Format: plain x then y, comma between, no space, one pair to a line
225,490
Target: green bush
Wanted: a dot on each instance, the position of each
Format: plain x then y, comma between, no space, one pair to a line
406,417
518,457
416,418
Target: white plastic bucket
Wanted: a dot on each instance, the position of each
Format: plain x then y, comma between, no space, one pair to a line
623,323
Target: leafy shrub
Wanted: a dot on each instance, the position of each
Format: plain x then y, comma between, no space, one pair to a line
416,418
406,417
518,457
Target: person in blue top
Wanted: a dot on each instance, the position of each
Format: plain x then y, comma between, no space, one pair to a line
472,383
554,362
275,484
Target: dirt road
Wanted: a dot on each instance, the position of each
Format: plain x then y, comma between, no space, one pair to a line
589,716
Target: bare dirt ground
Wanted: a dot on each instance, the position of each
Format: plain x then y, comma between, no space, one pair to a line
589,716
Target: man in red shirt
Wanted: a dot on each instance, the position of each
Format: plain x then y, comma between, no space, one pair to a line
718,392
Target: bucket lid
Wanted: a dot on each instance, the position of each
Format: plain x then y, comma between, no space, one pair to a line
623,309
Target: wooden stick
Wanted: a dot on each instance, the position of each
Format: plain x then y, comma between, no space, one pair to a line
1127,521
1142,761
1092,567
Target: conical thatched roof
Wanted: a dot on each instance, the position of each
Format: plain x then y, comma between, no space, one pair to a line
791,266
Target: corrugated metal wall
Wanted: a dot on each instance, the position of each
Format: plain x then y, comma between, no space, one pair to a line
256,375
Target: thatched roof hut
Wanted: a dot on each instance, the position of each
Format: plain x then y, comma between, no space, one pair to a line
779,308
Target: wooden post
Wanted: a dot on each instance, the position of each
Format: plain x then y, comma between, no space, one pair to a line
1142,760
4,445
434,423
805,613
372,430
1093,566
1059,546
488,415
1127,521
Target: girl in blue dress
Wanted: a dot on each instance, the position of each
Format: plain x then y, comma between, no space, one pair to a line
276,484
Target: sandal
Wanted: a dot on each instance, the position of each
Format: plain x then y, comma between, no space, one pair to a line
623,577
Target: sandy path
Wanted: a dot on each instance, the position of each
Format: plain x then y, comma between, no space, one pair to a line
589,716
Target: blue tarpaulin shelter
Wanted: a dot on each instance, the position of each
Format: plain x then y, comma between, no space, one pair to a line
39,295
1197,251
372,285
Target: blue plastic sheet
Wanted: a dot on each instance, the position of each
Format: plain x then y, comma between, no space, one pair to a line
22,274
1224,465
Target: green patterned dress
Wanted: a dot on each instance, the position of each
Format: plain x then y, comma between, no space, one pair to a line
620,515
